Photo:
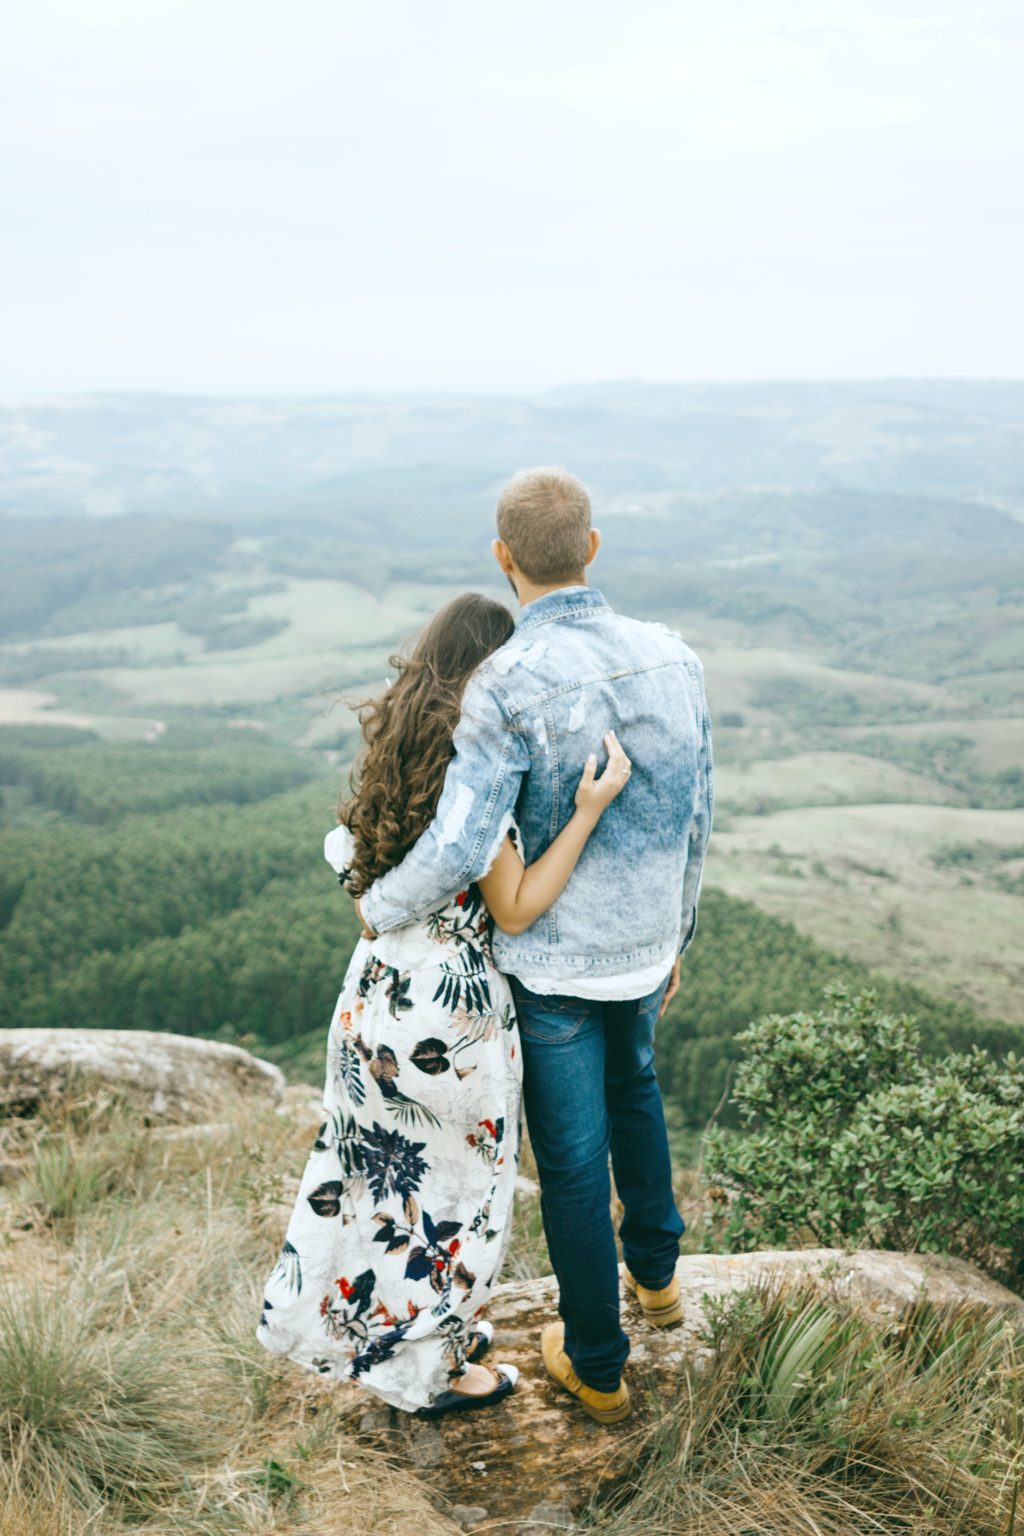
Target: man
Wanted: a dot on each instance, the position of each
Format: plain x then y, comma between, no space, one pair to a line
593,975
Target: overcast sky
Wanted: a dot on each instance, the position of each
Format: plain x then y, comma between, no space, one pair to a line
309,195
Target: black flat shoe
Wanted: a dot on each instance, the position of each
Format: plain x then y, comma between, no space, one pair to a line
461,1402
480,1337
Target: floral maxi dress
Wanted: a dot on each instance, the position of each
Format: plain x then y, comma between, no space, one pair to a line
403,1213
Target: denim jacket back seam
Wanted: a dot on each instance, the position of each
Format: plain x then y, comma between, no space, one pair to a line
540,700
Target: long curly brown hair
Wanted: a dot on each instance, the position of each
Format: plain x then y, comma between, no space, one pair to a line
407,735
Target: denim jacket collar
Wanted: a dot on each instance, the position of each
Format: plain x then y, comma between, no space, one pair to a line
561,603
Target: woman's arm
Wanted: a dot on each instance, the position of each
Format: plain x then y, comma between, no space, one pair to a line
481,783
516,896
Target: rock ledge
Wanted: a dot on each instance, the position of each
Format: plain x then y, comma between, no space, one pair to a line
529,1464
169,1079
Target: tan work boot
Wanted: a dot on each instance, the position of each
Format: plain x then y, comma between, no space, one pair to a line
604,1407
660,1308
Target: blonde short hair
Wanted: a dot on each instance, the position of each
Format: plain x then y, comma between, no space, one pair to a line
544,518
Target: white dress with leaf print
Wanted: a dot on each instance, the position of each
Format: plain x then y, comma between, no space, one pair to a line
404,1210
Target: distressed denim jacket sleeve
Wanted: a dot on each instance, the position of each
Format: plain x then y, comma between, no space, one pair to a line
700,826
480,791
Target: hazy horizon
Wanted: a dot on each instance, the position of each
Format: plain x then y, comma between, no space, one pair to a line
298,394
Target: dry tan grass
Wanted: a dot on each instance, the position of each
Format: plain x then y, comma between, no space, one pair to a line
861,880
172,1258
817,1436
24,1515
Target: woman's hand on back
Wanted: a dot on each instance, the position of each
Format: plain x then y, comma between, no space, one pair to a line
517,896
595,794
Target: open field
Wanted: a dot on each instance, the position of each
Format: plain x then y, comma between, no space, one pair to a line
23,706
329,636
993,745
744,677
883,883
819,778
140,644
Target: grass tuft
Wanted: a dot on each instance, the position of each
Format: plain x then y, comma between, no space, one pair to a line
134,1396
807,1417
95,1416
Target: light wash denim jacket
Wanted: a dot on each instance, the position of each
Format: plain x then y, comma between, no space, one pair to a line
530,715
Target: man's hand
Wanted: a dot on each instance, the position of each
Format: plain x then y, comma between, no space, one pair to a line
368,933
672,988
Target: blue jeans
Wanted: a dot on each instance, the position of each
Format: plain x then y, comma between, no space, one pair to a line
589,1086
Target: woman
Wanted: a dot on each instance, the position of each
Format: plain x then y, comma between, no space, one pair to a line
403,1213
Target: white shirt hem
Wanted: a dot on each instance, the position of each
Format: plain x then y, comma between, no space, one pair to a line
605,989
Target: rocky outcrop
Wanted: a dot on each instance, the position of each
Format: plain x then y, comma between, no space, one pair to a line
168,1079
527,1466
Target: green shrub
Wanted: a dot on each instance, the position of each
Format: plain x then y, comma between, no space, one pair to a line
773,968
854,1138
